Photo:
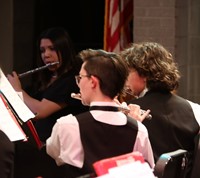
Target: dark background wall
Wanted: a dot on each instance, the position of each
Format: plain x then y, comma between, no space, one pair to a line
83,19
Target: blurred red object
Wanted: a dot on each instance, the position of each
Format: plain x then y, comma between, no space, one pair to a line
101,167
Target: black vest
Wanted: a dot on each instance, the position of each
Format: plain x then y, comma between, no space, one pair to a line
101,141
173,125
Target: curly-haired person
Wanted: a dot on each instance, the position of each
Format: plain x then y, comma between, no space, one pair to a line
153,78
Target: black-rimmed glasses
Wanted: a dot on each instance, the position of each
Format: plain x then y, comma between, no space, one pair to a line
79,77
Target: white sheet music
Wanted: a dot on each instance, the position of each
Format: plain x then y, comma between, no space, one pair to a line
9,126
133,169
18,105
130,170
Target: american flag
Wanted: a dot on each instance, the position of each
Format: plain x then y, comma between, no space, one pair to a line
118,24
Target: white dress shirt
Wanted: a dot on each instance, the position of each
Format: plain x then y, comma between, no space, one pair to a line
196,110
64,144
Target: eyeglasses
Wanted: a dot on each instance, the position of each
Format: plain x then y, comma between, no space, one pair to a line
79,77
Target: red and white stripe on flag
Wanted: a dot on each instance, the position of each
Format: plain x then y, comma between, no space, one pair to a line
117,28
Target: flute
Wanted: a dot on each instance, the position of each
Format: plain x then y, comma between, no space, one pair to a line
123,109
37,69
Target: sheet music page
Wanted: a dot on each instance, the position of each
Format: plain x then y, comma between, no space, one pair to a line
8,125
130,170
18,105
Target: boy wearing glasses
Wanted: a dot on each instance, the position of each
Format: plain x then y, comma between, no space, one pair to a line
104,131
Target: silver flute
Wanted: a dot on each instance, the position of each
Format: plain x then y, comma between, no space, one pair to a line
37,69
123,109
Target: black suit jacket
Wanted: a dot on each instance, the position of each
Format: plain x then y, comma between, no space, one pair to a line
173,124
6,156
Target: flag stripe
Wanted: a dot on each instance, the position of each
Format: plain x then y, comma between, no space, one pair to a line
117,31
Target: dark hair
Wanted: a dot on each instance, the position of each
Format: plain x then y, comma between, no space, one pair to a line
109,68
64,49
153,61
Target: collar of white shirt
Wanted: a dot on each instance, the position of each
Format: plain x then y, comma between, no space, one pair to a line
108,117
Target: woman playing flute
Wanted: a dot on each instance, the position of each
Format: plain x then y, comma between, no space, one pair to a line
53,98
56,84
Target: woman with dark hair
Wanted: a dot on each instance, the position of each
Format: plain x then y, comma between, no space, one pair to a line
63,50
51,100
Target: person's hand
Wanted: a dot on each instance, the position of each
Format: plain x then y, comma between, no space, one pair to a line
14,81
133,110
136,112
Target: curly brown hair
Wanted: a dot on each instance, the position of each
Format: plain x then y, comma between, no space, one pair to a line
152,61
